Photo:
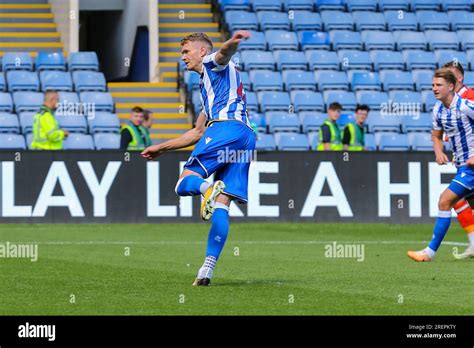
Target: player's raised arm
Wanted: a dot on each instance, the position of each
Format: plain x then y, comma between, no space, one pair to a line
189,138
229,47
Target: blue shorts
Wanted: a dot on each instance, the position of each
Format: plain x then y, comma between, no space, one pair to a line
226,149
463,182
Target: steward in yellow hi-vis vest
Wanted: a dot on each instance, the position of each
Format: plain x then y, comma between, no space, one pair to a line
353,138
330,134
134,136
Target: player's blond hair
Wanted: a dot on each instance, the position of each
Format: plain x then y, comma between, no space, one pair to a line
445,73
201,37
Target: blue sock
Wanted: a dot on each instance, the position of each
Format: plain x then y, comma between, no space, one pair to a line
191,185
440,229
219,231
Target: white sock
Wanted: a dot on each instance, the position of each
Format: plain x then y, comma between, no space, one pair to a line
471,238
207,268
204,186
221,206
430,252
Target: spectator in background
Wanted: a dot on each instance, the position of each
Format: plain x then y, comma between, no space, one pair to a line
148,123
46,132
134,136
330,134
353,135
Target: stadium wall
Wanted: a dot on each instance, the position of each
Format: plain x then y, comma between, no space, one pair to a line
66,15
117,187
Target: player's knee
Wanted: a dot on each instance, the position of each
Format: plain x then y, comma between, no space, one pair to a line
445,203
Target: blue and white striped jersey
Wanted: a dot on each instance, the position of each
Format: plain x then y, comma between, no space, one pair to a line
457,122
222,92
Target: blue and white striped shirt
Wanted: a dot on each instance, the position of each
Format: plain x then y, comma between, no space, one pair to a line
457,122
222,92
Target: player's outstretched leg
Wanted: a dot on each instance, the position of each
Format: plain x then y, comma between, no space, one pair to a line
209,201
191,185
466,219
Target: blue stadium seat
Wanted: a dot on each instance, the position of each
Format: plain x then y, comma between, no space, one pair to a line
102,101
432,20
230,5
416,59
346,99
3,84
196,101
442,40
295,5
258,60
272,20
281,40
77,141
17,61
237,20
379,122
374,21
321,59
420,141
27,101
26,122
459,5
83,61
29,140
445,56
375,100
408,40
378,40
469,78
364,80
313,140
6,103
405,97
297,79
258,120
322,5
342,39
103,122
10,141
470,58
55,80
361,5
344,119
256,41
387,60
265,142
9,123
291,142
429,100
398,5
307,101
266,5
50,61
66,98
423,79
72,123
311,121
417,123
337,20
273,101
313,40
396,21
290,60
107,141
279,121
396,79
369,142
89,81
327,80
466,37
245,78
306,20
22,81
461,20
354,59
252,102
394,142
419,5
191,79
265,80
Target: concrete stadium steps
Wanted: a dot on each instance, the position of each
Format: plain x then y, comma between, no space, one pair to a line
26,17
188,27
177,36
28,27
29,2
29,37
187,8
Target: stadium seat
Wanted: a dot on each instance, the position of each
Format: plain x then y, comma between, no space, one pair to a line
322,60
461,20
102,101
265,80
369,142
346,99
50,61
420,5
322,5
380,122
265,142
344,119
10,141
77,141
398,5
252,102
22,81
311,121
258,60
420,141
396,79
245,78
196,101
387,60
89,81
469,78
29,140
72,123
107,141
361,5
291,142
279,121
416,59
432,20
241,20
375,100
354,59
272,20
417,123
313,40
306,20
273,101
328,80
281,40
229,5
17,61
442,40
297,79
27,101
313,140
364,80
372,21
296,5
459,5
429,100
393,142
466,37
258,120
3,84
26,122
342,39
403,21
446,56
55,80
290,60
256,41
266,5
9,123
408,40
405,97
191,79
337,20
6,103
68,98
83,61
470,58
378,40
307,101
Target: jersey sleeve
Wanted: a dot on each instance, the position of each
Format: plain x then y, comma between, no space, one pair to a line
209,62
467,108
436,121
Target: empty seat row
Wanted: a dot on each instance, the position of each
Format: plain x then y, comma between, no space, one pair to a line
50,61
75,141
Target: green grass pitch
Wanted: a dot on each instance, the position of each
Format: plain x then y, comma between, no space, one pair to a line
278,269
